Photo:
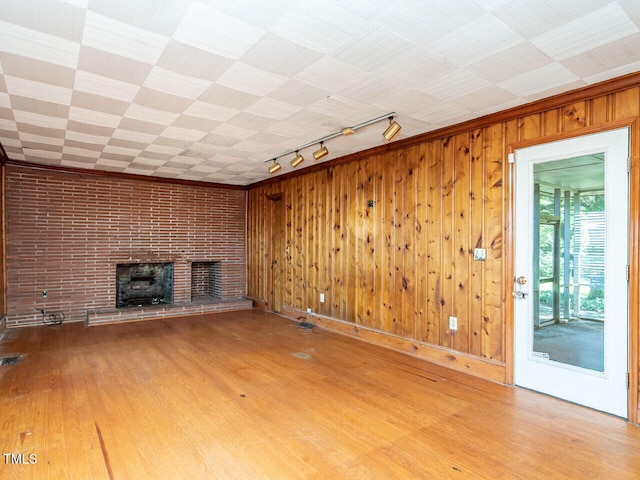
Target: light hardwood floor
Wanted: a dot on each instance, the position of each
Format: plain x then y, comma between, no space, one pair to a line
249,395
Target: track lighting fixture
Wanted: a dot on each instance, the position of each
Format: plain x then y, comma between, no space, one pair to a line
321,152
390,132
275,167
297,160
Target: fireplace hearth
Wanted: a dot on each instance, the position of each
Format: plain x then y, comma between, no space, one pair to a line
140,284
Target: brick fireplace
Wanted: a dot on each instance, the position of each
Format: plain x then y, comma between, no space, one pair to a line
67,234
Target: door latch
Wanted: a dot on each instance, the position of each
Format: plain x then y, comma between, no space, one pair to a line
519,282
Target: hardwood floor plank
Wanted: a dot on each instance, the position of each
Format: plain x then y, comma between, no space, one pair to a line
249,395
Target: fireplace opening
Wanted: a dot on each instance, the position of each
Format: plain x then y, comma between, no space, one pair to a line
144,284
206,280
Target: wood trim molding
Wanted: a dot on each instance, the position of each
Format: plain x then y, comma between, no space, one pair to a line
483,368
603,88
130,176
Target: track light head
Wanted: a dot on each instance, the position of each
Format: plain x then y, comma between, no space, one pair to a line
391,131
297,160
321,152
275,167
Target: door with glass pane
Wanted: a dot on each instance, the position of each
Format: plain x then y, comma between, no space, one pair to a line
570,288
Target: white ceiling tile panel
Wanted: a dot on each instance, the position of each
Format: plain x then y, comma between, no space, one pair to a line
183,134
93,117
531,21
174,83
163,149
228,130
160,16
4,100
510,63
456,84
38,120
121,150
606,58
538,80
262,14
615,72
320,26
213,31
52,17
33,138
151,115
77,3
490,5
193,62
8,125
279,55
296,92
123,134
339,106
122,39
108,162
36,70
424,22
475,41
406,101
632,8
105,86
210,111
86,138
37,45
10,142
149,161
333,75
82,152
31,153
169,170
251,80
485,98
416,68
442,114
291,129
603,26
205,168
374,49
269,108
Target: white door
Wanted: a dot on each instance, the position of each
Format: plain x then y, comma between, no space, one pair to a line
571,254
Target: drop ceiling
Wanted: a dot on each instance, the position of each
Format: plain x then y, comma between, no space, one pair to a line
208,90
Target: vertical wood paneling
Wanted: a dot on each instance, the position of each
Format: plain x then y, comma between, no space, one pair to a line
434,242
462,190
446,249
476,240
406,264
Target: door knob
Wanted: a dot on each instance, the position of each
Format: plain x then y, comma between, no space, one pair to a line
274,262
521,280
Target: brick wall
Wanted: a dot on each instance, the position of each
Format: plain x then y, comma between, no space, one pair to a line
66,232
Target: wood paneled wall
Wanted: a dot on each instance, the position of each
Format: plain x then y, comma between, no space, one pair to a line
406,264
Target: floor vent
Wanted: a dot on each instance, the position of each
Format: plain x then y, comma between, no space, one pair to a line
13,360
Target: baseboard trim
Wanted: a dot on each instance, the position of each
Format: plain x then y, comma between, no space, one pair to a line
461,362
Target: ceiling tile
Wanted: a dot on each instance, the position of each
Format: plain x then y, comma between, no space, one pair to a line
538,80
600,27
273,109
38,120
193,62
277,55
86,138
254,81
37,70
210,111
38,45
333,75
150,115
374,49
456,84
547,15
98,102
606,57
209,29
113,66
173,83
509,63
81,152
37,90
475,41
104,33
105,86
93,117
159,16
319,26
32,105
48,16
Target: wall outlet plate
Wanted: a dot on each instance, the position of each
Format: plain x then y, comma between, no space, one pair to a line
453,323
480,254
309,310
322,298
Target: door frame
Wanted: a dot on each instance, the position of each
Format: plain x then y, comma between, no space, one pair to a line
634,253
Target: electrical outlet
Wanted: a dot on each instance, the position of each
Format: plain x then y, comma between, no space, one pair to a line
45,293
322,298
453,323
309,310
